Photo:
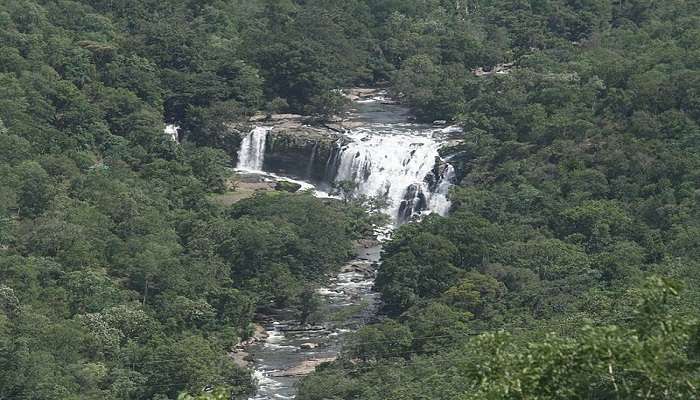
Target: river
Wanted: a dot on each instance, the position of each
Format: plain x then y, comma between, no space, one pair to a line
388,156
290,351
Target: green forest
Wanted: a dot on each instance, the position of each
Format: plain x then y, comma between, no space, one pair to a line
567,268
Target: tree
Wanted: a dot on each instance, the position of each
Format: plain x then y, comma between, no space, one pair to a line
34,193
345,189
387,340
326,106
211,166
309,304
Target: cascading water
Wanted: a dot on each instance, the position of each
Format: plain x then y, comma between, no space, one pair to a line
439,201
387,157
251,155
172,132
401,163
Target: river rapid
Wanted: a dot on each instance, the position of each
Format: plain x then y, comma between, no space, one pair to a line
387,156
291,351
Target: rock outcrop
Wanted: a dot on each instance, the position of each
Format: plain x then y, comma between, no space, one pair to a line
239,354
305,368
498,69
295,148
355,94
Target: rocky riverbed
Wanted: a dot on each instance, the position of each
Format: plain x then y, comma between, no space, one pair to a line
283,351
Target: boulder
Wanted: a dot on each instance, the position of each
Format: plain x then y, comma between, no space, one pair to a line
366,269
308,346
287,186
305,368
360,93
259,117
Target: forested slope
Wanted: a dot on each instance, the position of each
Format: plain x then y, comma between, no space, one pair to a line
119,279
576,215
568,267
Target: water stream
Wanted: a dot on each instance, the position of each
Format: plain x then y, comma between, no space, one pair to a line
385,156
292,351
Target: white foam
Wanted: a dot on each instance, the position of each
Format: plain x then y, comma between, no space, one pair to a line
385,160
251,155
173,132
274,336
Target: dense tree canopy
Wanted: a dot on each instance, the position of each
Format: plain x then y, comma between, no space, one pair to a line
119,278
553,277
579,183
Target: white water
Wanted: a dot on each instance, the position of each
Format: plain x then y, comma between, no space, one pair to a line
390,160
281,352
173,132
386,156
251,155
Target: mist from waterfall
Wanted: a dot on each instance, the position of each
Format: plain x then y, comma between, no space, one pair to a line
251,155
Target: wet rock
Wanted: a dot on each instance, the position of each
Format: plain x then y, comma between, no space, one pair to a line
367,243
366,269
440,122
308,346
305,328
343,126
301,150
355,94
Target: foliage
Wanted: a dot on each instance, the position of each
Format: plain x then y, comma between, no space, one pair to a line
578,181
118,278
578,176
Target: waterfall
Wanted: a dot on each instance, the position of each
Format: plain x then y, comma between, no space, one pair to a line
439,200
172,132
312,160
332,163
251,155
386,157
400,163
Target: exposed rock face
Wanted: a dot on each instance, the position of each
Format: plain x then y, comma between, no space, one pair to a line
301,150
354,94
365,268
439,172
239,354
414,202
295,148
